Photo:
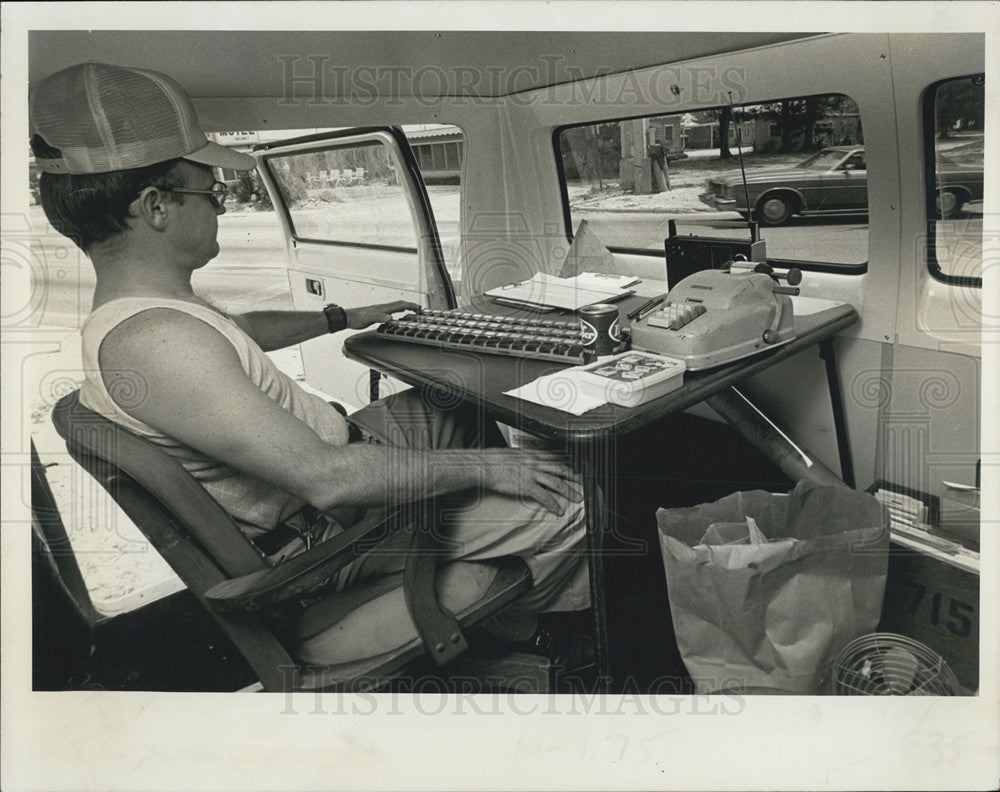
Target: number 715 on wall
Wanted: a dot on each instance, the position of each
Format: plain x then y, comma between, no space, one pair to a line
959,622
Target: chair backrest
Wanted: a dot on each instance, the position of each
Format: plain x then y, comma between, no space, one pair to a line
195,536
167,504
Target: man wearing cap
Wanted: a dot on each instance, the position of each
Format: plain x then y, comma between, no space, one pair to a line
127,175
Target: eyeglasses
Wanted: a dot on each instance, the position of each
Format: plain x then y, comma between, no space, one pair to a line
217,195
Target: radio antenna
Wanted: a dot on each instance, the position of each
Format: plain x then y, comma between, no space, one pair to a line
739,152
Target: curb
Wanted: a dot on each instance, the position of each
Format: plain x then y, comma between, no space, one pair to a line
637,211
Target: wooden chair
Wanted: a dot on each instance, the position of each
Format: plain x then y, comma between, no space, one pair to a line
260,606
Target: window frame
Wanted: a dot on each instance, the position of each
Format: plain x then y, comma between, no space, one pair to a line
802,264
296,236
930,184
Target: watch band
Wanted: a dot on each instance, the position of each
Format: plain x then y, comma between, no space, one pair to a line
336,318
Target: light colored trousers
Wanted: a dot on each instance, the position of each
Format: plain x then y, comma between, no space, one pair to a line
476,525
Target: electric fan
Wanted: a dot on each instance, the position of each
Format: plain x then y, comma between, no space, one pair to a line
886,664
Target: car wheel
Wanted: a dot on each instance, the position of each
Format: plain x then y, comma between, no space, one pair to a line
949,203
773,210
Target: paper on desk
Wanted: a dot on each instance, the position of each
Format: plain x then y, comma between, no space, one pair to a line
548,290
600,281
560,390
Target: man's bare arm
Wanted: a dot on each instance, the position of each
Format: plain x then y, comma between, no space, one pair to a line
198,394
279,329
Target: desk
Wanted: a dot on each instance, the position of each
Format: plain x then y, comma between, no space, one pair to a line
481,379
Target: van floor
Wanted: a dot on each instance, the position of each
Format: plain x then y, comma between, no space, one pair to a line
169,645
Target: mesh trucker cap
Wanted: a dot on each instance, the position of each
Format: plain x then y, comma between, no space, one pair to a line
109,118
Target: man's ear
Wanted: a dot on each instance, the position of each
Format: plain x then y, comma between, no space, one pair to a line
150,208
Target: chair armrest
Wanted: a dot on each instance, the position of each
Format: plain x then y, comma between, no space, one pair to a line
301,573
438,629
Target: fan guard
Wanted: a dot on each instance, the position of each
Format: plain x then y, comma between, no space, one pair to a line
887,664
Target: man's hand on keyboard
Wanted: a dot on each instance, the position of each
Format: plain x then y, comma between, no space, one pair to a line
365,316
538,475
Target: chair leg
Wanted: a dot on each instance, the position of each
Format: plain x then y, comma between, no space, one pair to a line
277,671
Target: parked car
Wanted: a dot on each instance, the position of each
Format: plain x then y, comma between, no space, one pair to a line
832,181
957,185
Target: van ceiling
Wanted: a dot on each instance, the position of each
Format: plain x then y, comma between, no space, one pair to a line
227,64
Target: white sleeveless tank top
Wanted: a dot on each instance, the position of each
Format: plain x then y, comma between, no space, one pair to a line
256,504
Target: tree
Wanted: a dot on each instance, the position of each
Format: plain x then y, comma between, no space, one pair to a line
591,152
958,104
725,117
811,114
250,189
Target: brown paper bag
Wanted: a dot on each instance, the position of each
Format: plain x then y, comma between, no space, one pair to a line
770,610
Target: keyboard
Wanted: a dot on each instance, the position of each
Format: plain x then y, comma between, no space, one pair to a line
540,339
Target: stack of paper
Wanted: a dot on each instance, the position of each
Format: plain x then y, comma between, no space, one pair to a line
627,379
904,511
571,294
585,278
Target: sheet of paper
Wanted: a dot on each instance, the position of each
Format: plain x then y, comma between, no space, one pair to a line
561,391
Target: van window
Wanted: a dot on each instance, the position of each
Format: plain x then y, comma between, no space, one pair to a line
805,178
954,115
349,194
352,194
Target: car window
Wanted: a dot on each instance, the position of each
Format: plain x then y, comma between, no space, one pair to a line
827,159
350,194
354,195
954,115
854,162
628,177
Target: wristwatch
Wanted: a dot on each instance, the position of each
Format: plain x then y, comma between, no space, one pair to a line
336,318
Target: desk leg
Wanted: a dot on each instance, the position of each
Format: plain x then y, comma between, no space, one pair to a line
837,404
595,462
749,421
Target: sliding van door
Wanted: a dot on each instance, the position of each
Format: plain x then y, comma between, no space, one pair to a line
359,230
